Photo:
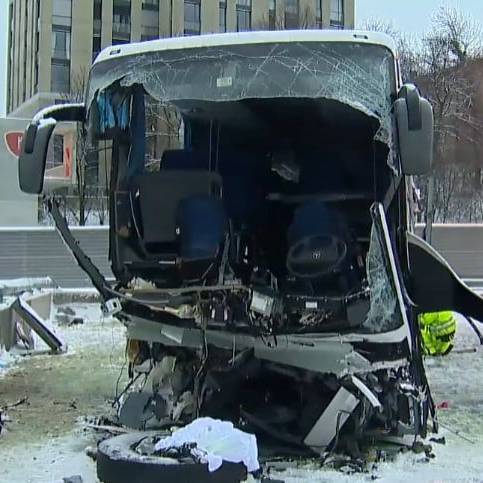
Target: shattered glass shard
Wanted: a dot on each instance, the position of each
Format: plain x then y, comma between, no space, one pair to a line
361,76
383,313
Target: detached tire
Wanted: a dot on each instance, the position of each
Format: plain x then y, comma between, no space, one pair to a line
117,462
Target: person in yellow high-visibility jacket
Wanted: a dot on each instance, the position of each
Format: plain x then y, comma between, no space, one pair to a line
437,332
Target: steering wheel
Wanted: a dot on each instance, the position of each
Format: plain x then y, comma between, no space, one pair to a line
315,256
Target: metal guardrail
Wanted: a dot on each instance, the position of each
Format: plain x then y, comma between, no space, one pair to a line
40,252
462,246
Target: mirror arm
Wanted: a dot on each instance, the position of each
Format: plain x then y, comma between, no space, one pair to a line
410,93
75,113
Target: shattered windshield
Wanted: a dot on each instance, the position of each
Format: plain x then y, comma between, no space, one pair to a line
385,312
358,75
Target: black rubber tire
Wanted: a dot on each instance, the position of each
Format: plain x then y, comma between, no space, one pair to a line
118,463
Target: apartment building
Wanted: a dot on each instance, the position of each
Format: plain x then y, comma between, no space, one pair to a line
52,43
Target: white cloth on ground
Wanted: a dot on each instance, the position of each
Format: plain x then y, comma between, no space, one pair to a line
216,441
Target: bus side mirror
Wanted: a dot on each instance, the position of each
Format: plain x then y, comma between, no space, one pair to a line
31,163
415,127
35,143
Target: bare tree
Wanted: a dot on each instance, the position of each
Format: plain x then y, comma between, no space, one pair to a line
444,80
407,46
163,128
437,63
376,24
462,34
88,195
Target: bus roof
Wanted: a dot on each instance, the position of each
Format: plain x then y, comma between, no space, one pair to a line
252,37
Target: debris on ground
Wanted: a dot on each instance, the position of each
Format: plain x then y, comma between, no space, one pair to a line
24,316
65,309
3,419
91,451
73,479
67,316
103,424
3,412
40,326
213,441
21,401
76,321
46,430
443,405
101,345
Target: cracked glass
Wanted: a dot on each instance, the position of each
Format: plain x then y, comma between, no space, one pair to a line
359,75
384,312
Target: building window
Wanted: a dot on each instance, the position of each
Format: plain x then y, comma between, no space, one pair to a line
60,76
151,5
10,59
97,28
16,62
25,36
243,15
96,47
97,16
61,25
150,23
337,14
149,33
60,43
318,13
121,20
272,15
222,16
37,47
60,48
62,13
192,17
292,14
120,41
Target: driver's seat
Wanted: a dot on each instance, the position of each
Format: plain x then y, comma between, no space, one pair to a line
318,241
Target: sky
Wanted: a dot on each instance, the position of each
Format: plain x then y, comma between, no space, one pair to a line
413,16
410,16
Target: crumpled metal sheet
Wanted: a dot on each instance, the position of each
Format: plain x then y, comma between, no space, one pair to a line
361,76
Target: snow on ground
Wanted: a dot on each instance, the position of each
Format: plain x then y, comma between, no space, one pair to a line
21,283
7,360
458,380
44,442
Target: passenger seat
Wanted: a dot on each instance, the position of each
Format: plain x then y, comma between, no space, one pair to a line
159,195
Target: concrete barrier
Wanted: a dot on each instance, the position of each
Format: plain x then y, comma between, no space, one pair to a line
40,252
462,246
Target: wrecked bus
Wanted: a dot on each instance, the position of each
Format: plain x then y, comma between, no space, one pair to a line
260,232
